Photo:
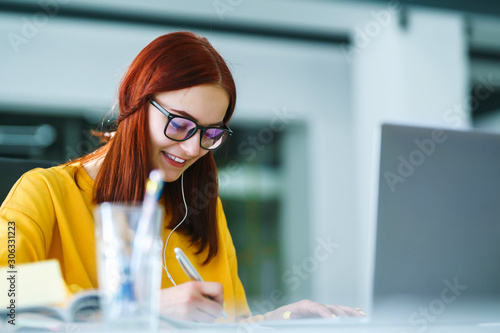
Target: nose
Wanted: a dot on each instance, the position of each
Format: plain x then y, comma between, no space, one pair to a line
191,146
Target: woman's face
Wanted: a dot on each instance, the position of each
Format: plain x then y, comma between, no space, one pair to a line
206,105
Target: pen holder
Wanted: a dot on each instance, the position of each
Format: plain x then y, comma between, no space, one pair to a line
129,294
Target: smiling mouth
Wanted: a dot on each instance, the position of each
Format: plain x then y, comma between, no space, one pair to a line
175,159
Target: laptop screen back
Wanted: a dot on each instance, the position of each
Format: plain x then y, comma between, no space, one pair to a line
438,219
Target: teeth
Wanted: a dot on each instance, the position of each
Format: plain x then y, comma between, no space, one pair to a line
178,160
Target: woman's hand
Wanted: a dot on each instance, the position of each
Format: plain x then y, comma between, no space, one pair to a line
310,309
193,301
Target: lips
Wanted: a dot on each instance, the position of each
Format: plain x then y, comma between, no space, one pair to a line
177,159
174,160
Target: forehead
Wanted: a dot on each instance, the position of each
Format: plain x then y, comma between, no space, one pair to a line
206,104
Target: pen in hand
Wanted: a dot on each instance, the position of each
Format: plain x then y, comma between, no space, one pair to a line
189,269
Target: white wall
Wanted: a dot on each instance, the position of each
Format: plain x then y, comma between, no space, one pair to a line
413,75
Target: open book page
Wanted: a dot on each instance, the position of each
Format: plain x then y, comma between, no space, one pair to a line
37,296
81,307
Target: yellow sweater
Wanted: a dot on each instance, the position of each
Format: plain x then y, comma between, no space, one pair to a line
53,218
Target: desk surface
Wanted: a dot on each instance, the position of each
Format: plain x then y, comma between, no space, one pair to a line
469,317
300,327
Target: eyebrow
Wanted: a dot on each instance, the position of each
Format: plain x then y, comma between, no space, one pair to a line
187,115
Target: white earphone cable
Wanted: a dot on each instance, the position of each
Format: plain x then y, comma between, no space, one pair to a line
166,242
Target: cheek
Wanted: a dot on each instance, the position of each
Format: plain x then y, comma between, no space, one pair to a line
156,132
156,140
202,153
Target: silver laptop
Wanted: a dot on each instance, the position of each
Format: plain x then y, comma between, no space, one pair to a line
438,227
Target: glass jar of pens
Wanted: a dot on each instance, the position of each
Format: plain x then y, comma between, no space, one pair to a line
129,259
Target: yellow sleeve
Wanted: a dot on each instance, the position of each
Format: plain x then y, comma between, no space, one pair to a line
51,214
27,216
243,313
241,305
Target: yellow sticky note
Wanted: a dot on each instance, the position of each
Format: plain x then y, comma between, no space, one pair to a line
32,284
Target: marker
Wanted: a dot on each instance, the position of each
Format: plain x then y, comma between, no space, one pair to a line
189,269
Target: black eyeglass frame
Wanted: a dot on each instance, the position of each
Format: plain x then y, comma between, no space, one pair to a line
198,127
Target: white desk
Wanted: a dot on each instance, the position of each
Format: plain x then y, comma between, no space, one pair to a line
358,328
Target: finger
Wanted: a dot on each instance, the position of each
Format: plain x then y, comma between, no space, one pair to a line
313,309
190,312
187,301
352,312
345,311
323,311
213,290
200,315
209,306
199,310
338,311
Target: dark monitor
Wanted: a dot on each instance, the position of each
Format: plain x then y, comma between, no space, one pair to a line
11,169
438,218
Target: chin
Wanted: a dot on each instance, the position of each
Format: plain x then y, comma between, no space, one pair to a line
171,177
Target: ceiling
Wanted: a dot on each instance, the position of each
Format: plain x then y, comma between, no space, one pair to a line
486,7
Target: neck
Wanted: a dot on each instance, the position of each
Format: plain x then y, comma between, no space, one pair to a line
92,167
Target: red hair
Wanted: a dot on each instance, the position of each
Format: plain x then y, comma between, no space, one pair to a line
171,62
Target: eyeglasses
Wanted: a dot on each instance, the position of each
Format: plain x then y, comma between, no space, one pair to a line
179,128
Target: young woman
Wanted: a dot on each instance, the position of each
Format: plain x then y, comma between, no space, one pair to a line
175,102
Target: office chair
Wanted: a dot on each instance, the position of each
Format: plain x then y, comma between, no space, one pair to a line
11,169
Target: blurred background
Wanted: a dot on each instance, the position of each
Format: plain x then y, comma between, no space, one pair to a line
315,80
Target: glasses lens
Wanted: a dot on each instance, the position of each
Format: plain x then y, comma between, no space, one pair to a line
180,128
213,138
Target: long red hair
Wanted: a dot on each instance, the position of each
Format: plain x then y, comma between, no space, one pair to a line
171,62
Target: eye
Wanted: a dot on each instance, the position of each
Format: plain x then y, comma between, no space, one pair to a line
181,124
212,137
